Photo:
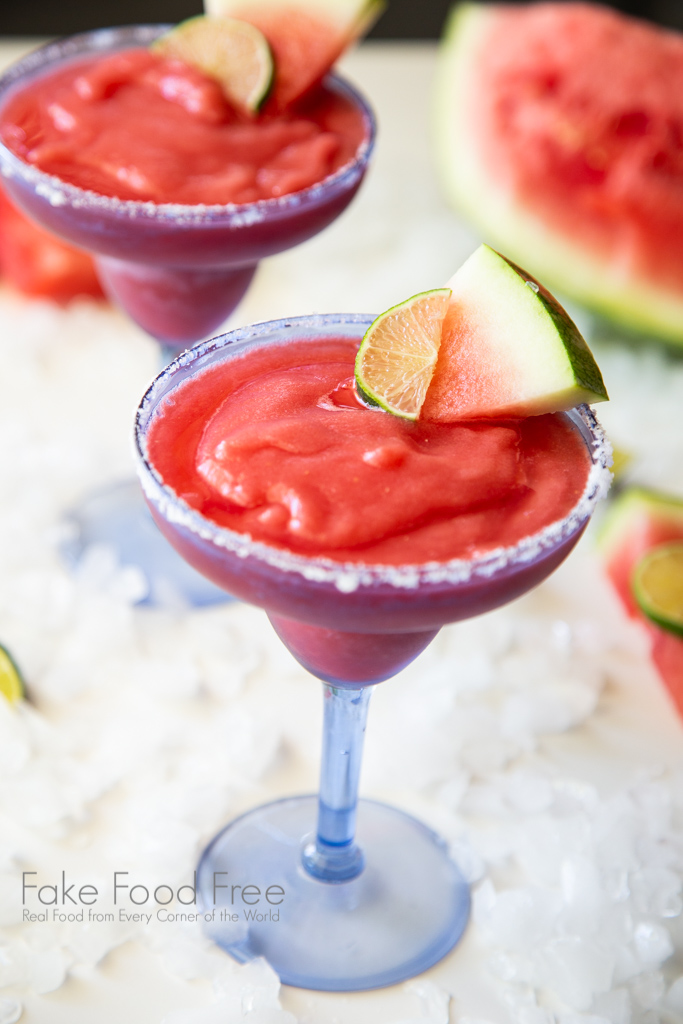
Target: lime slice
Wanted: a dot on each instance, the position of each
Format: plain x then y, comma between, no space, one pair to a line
658,586
233,52
397,356
11,683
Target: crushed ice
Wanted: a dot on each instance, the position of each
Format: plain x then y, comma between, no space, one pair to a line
535,739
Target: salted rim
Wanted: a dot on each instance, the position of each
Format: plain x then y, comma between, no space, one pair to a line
61,193
349,576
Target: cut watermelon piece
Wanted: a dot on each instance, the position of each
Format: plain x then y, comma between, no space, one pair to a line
559,129
507,348
37,263
306,37
667,654
638,521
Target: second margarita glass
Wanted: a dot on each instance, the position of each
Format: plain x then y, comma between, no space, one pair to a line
177,270
329,910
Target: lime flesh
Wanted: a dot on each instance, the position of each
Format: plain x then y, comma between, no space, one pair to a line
658,586
233,52
397,356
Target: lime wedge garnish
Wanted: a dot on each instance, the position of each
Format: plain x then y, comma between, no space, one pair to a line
658,586
233,52
397,356
11,683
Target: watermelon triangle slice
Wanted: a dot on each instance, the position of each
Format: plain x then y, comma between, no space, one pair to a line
638,521
507,348
306,37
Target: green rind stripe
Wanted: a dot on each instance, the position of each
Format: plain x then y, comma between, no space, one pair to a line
584,368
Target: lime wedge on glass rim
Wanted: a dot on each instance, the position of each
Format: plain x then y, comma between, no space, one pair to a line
658,586
397,356
233,52
11,682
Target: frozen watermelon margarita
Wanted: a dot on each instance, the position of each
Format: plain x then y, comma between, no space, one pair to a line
140,158
361,534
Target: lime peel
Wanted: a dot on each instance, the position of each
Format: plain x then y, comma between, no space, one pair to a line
11,681
398,353
658,586
233,52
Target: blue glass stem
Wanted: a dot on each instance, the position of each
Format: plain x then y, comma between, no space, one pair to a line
334,856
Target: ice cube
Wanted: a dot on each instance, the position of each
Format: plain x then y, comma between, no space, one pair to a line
434,1001
674,997
47,970
10,1011
576,969
653,943
614,1005
648,989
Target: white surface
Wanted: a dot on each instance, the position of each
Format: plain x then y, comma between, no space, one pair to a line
537,739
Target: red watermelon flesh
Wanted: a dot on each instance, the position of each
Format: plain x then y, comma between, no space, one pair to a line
589,104
638,521
39,264
304,49
667,654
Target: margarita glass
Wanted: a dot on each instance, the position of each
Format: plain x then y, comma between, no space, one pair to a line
177,270
334,911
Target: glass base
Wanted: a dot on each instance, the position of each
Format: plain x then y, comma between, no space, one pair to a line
401,915
118,517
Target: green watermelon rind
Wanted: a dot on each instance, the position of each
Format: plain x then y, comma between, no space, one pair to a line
583,369
638,305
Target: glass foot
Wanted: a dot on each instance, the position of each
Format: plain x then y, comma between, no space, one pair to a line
118,517
401,915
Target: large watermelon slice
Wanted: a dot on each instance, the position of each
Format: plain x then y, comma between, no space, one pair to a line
559,129
638,521
37,263
306,37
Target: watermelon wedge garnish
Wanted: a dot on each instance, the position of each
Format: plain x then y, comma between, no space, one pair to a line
507,348
37,263
558,135
306,37
639,521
